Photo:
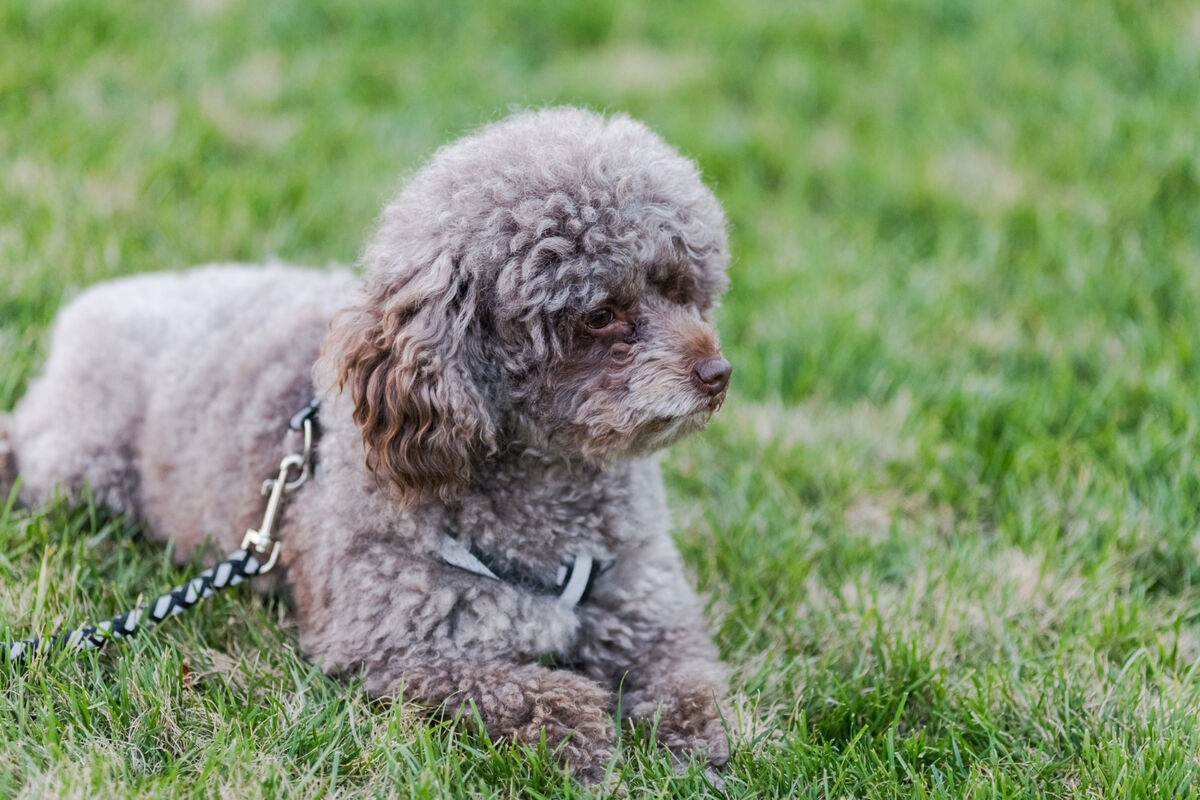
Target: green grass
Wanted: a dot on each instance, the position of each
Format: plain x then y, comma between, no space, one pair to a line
947,522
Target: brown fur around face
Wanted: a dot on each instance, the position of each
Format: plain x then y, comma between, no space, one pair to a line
423,421
532,322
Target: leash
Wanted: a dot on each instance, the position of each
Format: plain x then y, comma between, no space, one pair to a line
246,562
259,552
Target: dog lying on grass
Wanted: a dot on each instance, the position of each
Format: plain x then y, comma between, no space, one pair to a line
531,326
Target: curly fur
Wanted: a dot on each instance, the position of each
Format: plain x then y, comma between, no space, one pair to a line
8,462
530,327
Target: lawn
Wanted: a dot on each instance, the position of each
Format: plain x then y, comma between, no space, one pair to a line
946,525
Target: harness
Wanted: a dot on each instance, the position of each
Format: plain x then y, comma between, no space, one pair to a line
572,584
259,553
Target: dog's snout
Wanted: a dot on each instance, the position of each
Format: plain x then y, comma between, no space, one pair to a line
712,375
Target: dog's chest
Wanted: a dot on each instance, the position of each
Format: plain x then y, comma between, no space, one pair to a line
540,519
527,525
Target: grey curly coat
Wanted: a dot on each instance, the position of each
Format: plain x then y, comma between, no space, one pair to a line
532,325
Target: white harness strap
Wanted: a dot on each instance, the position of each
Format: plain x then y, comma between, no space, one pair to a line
572,581
576,579
454,554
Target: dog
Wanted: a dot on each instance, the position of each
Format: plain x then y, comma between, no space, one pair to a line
532,324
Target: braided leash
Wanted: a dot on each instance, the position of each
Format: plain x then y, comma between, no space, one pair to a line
294,470
230,572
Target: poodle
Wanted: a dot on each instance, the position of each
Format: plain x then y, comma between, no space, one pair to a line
532,324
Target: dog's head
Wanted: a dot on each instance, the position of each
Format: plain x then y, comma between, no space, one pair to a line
547,282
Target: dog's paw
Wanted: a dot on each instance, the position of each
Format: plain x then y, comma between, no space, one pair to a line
572,713
688,723
704,739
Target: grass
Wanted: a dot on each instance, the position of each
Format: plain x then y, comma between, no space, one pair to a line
947,522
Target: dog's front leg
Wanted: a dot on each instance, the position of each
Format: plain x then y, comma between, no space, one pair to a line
441,638
519,703
645,632
677,690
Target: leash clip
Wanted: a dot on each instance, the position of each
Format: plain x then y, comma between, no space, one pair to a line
274,489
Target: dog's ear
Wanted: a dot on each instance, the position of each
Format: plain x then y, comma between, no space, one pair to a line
402,353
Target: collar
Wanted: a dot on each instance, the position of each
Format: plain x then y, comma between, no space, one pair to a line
573,580
296,423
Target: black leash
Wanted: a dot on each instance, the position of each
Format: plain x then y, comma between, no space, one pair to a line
230,572
242,564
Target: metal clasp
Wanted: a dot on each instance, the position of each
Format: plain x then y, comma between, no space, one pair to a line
297,464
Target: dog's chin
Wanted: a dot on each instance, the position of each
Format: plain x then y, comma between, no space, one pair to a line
648,437
667,431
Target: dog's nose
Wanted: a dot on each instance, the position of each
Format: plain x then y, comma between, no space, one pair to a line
712,375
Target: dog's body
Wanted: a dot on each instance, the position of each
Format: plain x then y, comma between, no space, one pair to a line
449,407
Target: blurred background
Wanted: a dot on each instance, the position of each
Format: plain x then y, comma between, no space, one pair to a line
949,510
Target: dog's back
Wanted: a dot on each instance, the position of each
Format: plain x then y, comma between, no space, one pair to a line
156,385
8,463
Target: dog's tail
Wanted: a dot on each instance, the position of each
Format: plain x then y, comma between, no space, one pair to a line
8,460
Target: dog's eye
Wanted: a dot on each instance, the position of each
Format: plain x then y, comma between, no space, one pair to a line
599,318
